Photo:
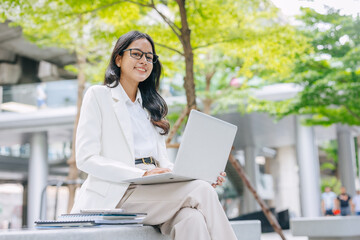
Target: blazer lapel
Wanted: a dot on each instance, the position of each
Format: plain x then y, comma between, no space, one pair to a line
123,117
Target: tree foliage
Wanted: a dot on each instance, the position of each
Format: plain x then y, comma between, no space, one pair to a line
82,27
329,73
266,56
239,38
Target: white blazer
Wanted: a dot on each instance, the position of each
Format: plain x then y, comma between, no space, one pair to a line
105,151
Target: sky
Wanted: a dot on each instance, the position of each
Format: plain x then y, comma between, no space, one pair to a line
292,7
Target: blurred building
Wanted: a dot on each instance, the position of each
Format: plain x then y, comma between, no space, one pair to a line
38,107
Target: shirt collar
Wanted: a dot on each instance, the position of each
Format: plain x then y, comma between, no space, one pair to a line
126,98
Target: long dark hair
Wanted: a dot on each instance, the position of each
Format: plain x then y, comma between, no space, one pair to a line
152,100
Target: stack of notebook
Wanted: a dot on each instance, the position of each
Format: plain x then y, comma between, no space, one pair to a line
90,218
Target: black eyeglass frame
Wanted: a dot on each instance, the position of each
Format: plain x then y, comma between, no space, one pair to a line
154,60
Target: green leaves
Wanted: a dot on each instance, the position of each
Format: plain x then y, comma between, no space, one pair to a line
329,74
87,28
230,39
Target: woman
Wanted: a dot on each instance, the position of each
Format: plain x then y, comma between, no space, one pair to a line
121,135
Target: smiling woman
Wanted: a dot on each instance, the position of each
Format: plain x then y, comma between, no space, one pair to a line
128,67
134,68
121,135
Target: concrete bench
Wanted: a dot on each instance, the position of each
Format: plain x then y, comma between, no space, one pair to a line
245,230
327,228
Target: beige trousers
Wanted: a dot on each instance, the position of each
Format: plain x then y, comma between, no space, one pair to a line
184,210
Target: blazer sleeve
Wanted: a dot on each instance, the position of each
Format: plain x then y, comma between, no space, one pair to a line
88,146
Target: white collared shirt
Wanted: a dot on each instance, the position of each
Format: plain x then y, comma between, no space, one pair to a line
142,128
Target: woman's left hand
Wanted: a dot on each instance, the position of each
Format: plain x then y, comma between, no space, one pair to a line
220,180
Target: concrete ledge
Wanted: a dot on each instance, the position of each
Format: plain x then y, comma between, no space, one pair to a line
329,228
114,233
245,230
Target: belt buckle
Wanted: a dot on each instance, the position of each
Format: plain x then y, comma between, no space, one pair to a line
151,161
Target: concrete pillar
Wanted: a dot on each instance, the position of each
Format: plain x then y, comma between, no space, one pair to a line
10,73
48,71
24,205
309,170
37,178
346,155
357,176
285,170
7,56
1,96
252,171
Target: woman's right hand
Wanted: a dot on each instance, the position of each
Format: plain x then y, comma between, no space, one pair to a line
156,171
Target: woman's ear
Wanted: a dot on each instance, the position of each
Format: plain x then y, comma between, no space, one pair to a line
118,60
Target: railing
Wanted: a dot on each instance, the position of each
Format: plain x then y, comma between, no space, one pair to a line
57,184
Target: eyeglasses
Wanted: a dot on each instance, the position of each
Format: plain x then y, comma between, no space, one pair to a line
138,54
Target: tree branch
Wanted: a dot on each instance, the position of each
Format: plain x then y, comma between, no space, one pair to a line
268,214
177,125
167,47
174,145
95,9
172,25
140,4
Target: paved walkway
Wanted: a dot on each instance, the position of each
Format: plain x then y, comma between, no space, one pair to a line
275,236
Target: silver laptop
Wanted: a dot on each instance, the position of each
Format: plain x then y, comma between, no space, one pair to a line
203,153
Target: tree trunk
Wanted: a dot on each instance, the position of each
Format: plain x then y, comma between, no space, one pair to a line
207,105
358,157
271,218
189,83
73,171
177,125
189,86
207,101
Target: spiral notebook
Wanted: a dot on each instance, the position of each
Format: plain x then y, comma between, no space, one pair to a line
103,211
87,222
100,216
86,219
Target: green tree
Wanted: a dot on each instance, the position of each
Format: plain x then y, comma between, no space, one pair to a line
268,55
329,72
71,25
194,24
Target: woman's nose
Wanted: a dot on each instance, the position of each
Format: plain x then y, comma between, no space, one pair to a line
143,59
